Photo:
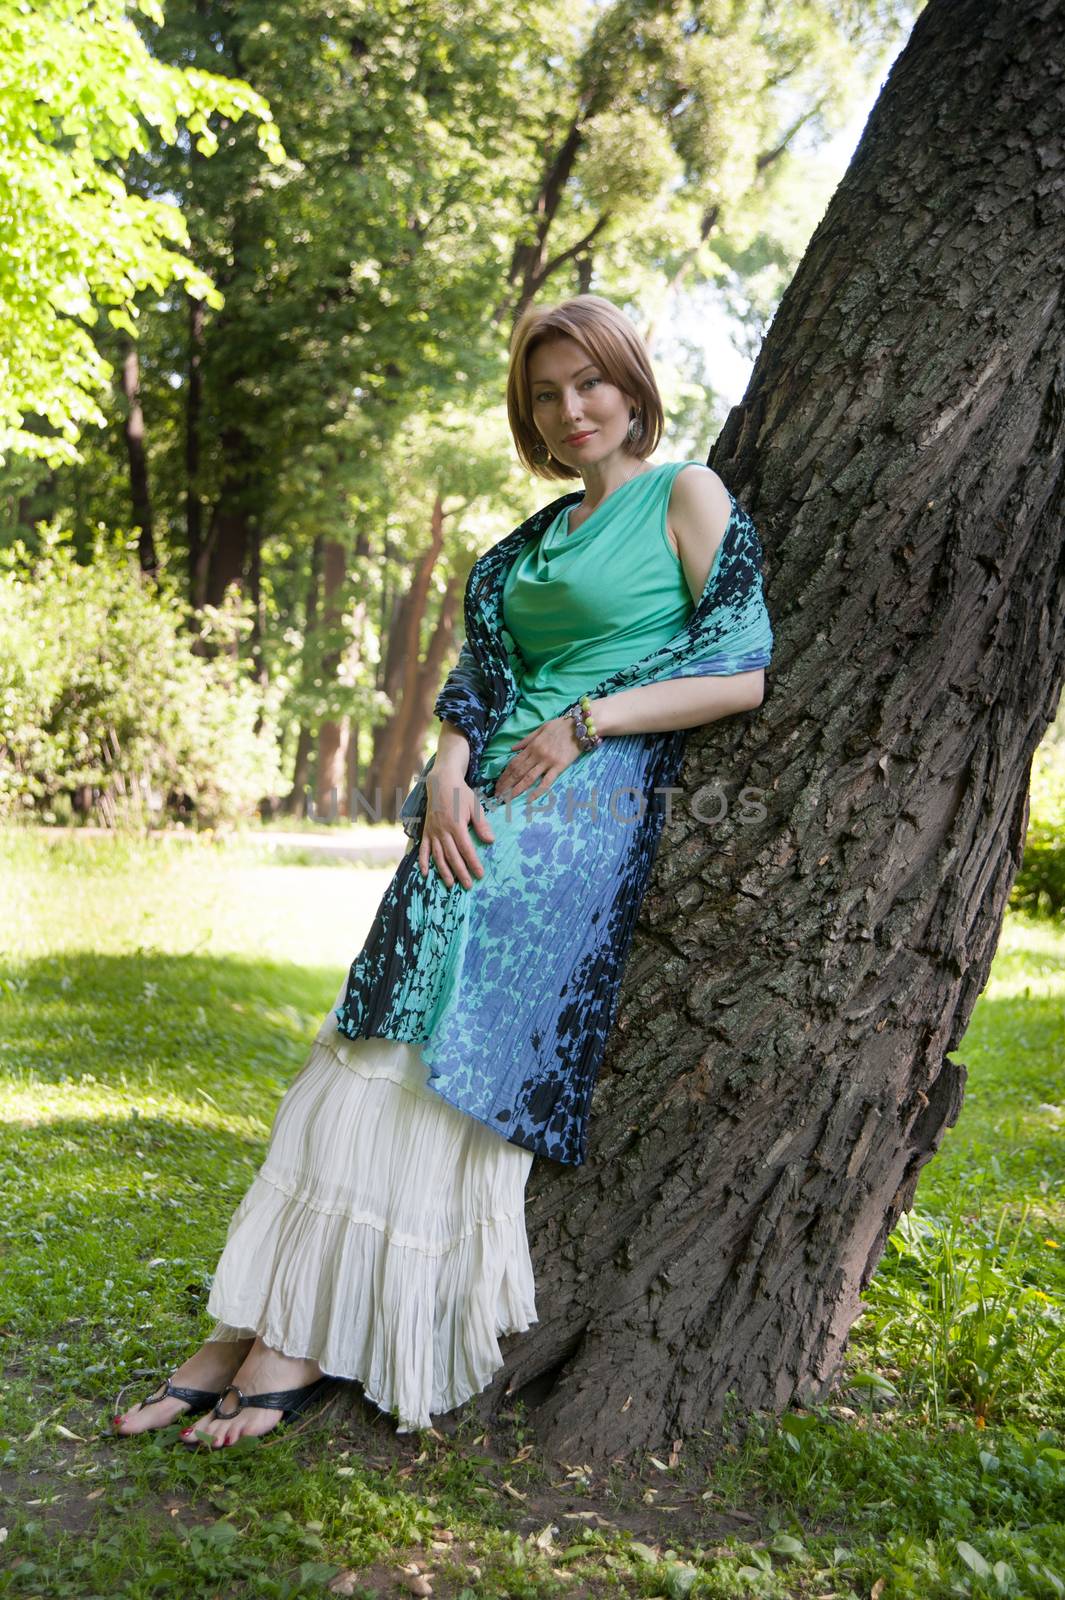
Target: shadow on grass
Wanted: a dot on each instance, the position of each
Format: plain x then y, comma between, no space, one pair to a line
155,1022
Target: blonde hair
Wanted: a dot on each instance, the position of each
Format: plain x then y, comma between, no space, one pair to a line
612,342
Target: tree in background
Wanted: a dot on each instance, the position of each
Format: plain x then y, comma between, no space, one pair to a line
77,88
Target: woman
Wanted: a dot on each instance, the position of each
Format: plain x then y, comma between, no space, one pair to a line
383,1238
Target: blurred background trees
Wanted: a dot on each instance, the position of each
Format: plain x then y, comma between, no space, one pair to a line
259,267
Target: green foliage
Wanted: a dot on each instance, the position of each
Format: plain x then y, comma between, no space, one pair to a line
1039,886
101,686
78,92
966,1317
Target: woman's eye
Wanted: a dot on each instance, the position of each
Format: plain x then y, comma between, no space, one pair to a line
545,394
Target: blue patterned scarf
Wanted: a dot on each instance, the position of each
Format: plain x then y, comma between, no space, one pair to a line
511,986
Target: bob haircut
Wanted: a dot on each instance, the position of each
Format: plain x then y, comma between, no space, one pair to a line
612,343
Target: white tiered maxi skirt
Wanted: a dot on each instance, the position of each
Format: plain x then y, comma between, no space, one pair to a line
384,1234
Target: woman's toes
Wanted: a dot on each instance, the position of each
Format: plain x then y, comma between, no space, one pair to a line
138,1419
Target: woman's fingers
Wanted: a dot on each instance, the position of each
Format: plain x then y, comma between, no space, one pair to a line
544,782
456,857
440,862
482,825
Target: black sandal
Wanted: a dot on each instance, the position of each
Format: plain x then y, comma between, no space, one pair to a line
288,1401
196,1399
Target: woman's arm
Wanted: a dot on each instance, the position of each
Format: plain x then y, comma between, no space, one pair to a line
699,510
452,749
678,703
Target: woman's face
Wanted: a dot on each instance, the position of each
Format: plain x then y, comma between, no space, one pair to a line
581,416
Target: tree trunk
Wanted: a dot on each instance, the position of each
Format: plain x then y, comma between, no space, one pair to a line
193,422
331,787
393,740
258,619
427,683
140,499
778,1074
295,803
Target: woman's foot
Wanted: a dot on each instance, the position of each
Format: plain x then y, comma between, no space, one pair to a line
263,1371
212,1367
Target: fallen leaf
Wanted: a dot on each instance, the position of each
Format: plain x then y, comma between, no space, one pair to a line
39,1424
344,1582
515,1494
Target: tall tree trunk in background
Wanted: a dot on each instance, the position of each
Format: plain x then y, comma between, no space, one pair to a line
331,787
778,1074
229,536
427,683
258,621
296,800
355,652
193,417
392,742
140,499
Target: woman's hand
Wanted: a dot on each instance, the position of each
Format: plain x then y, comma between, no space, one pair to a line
539,758
450,806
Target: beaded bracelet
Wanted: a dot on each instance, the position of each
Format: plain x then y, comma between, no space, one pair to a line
583,726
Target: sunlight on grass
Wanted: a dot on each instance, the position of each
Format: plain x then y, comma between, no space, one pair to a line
157,999
181,898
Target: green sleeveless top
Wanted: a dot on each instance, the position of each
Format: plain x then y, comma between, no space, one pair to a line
580,605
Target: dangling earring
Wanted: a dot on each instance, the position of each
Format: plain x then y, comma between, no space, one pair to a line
541,453
635,427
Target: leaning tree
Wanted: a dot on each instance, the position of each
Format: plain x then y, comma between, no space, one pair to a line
779,1070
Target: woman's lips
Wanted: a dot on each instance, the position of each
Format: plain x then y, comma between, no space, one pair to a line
579,438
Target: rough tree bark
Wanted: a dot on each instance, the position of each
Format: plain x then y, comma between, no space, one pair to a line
779,1075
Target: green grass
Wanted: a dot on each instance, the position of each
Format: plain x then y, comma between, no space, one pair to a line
157,997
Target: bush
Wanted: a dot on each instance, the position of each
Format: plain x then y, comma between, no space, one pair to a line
1039,886
105,704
